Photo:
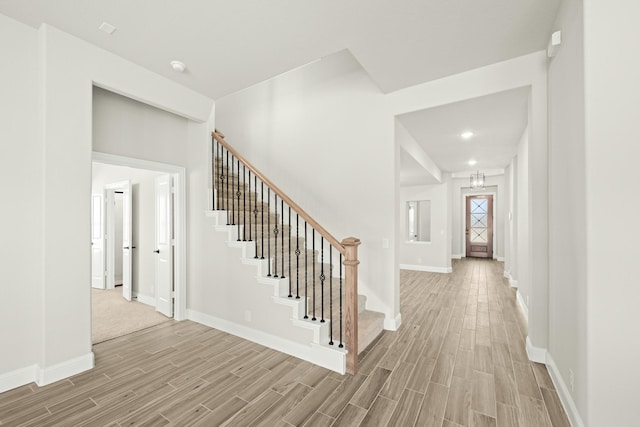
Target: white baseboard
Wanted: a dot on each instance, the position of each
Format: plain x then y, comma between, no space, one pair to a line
329,358
426,268
41,377
456,256
564,394
500,259
507,275
536,354
65,369
18,378
513,283
145,299
393,324
523,306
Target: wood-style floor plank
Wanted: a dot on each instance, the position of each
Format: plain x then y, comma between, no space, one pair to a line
458,359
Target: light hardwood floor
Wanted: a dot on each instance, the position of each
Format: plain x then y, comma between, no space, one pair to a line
458,360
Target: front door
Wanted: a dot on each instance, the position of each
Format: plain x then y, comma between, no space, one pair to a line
479,227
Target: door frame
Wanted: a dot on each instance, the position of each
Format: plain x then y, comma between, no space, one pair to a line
464,218
179,220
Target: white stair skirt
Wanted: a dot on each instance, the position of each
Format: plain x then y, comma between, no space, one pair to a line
314,348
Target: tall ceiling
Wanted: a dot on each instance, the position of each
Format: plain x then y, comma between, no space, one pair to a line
497,122
230,45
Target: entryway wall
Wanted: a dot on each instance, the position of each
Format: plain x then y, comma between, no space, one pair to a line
143,226
434,255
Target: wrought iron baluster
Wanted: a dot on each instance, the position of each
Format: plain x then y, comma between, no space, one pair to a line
282,240
262,219
297,257
269,231
306,299
238,196
255,213
244,204
289,236
341,341
322,277
330,295
233,197
214,153
275,241
313,268
227,194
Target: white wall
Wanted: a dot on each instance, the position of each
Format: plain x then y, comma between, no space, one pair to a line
21,187
143,212
321,134
567,206
432,255
523,249
511,222
612,89
130,128
52,86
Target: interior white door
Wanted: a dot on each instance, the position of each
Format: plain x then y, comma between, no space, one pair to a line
164,247
127,244
97,241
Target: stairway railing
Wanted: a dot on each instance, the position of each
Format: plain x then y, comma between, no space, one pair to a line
243,191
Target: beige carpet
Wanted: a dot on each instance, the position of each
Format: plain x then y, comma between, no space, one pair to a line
112,316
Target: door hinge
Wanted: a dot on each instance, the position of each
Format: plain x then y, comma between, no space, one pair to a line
173,294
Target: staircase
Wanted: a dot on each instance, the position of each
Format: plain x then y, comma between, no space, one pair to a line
310,271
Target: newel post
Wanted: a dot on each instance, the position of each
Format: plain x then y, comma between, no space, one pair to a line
351,304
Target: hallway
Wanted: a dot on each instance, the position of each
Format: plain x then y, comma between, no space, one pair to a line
458,359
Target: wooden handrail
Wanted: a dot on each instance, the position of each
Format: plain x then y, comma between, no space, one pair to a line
312,222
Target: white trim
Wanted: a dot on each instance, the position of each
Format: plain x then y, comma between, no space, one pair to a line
513,283
393,324
144,299
523,306
426,268
563,392
180,219
318,354
536,354
500,259
507,275
64,370
18,378
456,256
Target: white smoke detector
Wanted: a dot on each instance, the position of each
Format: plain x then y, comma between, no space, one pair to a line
107,28
178,66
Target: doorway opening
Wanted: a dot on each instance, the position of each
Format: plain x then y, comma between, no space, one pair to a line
138,240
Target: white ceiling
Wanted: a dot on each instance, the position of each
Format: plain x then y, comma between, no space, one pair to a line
230,45
496,120
412,173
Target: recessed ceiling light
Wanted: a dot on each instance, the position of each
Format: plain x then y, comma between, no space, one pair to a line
472,162
107,28
466,135
178,66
